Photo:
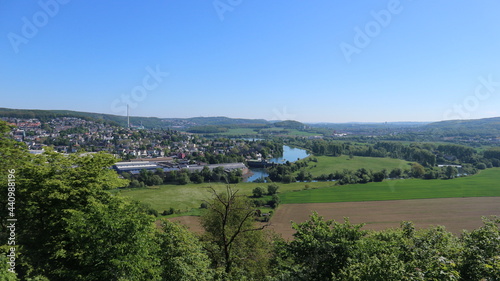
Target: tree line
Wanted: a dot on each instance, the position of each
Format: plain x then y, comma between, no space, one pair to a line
427,154
291,172
182,177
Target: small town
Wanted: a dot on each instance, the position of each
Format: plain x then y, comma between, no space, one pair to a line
139,148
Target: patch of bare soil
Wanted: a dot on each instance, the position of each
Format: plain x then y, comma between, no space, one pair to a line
455,214
192,223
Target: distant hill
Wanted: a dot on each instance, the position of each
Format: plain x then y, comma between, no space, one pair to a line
471,123
368,125
485,126
289,124
45,115
147,122
217,121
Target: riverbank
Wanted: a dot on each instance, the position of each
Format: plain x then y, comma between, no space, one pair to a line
291,154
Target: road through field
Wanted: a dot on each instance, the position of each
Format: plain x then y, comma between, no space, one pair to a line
455,214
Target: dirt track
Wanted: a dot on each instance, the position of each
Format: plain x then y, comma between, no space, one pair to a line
455,214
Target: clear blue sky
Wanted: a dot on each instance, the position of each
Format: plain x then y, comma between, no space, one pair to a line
312,61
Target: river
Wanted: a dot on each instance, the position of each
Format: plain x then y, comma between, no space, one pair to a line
291,154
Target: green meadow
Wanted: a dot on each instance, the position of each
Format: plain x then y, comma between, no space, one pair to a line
188,198
328,164
238,132
484,184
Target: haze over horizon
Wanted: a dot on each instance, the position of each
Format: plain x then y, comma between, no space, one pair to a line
381,61
236,117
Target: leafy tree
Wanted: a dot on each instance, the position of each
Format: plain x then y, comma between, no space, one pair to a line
5,274
378,176
182,178
288,178
258,191
481,254
492,153
13,155
235,176
170,211
135,184
451,172
322,248
275,201
218,174
272,189
50,188
145,176
156,180
431,174
375,260
112,240
235,244
432,253
395,173
417,170
481,166
206,173
463,153
301,176
181,254
196,177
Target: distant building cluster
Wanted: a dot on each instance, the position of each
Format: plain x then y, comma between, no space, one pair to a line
143,149
134,167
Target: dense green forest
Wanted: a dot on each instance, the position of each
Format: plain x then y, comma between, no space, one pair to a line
69,227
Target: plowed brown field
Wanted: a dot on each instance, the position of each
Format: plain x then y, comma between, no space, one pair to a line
455,214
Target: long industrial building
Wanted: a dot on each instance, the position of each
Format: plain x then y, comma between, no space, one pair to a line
134,167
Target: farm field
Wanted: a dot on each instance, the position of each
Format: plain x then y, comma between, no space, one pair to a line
484,184
329,164
287,131
188,198
238,132
457,204
455,214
